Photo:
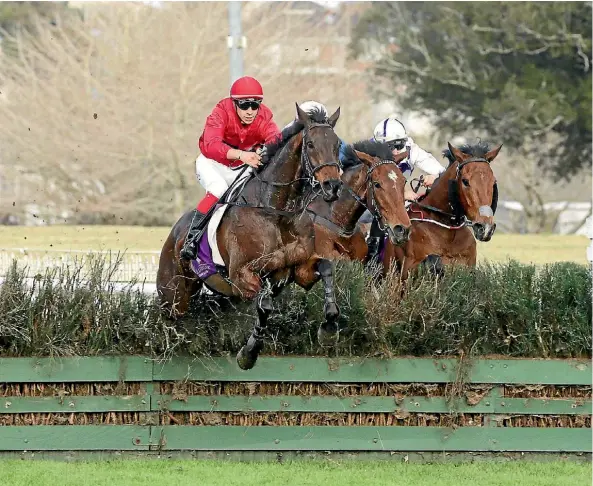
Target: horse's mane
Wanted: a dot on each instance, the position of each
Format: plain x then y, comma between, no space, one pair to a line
374,149
350,158
369,147
479,149
287,133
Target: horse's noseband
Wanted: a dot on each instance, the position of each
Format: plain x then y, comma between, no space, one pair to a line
374,207
371,204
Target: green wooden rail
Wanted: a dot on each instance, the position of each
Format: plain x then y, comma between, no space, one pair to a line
147,435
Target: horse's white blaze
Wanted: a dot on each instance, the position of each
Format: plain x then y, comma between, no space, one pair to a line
393,176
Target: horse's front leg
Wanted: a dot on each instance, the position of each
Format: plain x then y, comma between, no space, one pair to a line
307,275
249,353
327,333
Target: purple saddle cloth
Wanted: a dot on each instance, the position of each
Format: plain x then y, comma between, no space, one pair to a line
203,266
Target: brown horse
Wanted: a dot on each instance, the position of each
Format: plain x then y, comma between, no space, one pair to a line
262,238
372,181
463,197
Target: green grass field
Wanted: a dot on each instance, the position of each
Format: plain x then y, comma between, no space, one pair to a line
179,473
537,249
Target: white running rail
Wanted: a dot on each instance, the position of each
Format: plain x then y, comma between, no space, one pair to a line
142,265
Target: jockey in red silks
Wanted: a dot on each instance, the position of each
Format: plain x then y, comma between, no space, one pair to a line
237,126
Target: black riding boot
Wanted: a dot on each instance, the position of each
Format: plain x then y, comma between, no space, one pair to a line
373,242
189,249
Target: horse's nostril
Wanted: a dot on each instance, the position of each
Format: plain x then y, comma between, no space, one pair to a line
402,230
480,230
332,186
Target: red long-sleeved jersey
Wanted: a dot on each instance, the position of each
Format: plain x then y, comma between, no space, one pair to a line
224,131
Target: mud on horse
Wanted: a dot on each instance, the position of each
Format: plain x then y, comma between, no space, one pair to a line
264,235
373,181
463,197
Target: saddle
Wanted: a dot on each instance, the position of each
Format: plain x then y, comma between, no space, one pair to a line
230,196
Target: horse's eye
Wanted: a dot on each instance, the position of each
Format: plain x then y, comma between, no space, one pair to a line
309,145
465,182
377,185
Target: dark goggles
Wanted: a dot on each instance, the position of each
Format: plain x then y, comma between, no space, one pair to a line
246,104
396,144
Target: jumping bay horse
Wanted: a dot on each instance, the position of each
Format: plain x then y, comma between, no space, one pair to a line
266,234
463,197
373,181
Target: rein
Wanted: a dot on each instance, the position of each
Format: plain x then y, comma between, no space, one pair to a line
310,180
308,167
310,197
373,209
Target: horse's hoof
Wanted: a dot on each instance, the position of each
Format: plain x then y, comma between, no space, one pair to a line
246,360
247,355
328,337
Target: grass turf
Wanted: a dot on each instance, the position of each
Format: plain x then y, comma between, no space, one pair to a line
179,472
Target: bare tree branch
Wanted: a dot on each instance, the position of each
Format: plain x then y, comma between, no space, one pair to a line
151,76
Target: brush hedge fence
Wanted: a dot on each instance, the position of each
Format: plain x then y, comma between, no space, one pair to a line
507,309
86,367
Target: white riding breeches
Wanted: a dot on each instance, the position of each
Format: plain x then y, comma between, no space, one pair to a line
215,177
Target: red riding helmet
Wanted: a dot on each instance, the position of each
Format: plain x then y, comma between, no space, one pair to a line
247,87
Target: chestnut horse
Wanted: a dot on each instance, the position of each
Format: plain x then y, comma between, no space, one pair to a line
463,197
373,181
262,238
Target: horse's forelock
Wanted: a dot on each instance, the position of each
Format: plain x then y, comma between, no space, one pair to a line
316,115
479,149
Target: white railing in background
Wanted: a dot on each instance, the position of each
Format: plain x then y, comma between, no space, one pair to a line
590,235
141,265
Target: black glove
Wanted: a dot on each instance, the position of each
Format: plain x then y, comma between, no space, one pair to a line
263,153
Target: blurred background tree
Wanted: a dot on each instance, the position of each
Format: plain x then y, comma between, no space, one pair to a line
518,72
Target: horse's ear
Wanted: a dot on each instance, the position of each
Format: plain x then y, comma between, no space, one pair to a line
302,116
490,156
458,154
334,118
363,158
399,157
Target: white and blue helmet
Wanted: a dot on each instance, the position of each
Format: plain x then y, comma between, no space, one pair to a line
390,129
309,106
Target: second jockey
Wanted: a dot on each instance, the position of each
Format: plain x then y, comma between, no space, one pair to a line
237,126
392,131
